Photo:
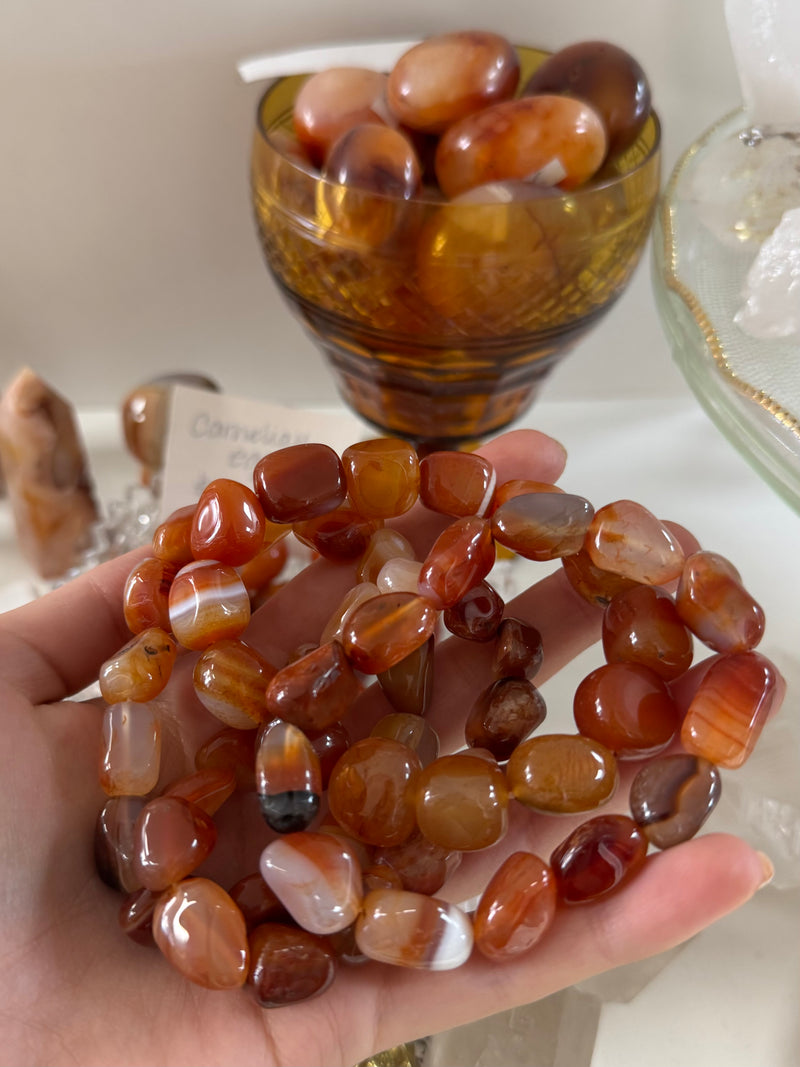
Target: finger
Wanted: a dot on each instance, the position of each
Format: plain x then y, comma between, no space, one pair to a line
54,646
677,894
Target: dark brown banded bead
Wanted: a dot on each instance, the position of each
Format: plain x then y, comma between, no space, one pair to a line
503,715
299,482
671,797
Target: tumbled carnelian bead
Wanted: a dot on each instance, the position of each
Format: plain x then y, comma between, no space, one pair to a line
387,628
288,965
131,756
230,679
172,540
256,901
408,685
503,715
385,544
517,139
607,77
519,487
207,602
409,729
597,858
422,866
450,75
330,746
595,585
371,156
135,916
716,607
299,482
516,908
316,690
372,789
339,535
334,100
233,750
461,557
208,788
672,797
288,778
145,599
542,526
627,708
730,708
413,930
115,842
462,802
173,837
642,625
563,773
456,483
518,650
201,932
477,615
228,523
626,538
316,878
382,477
140,670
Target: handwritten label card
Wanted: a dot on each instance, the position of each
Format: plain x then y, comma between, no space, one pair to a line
214,435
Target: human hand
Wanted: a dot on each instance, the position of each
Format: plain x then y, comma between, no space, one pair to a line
76,990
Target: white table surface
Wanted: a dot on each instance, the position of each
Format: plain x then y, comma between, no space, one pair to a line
729,998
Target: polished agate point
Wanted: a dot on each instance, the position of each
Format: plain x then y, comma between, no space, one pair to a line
671,797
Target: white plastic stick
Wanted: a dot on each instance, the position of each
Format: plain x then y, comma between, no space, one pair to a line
376,55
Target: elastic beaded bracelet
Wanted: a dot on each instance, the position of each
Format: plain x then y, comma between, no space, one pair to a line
360,835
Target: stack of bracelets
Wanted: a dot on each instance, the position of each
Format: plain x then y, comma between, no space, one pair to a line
361,835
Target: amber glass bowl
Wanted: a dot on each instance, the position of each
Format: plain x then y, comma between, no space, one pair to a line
441,319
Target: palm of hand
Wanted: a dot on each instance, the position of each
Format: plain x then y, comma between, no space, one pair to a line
76,990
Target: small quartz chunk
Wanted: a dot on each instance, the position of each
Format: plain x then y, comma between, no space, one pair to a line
771,307
47,474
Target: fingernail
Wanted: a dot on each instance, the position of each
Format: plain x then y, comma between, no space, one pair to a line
767,869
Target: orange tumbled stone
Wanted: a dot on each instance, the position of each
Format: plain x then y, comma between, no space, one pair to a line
503,715
140,670
288,778
172,540
145,599
413,930
339,535
520,487
422,866
642,625
207,602
387,628
208,788
477,615
230,750
596,585
228,523
626,538
288,965
563,773
131,757
230,679
202,933
542,526
299,482
384,545
314,691
716,607
372,789
462,802
173,837
517,907
597,858
411,730
730,708
382,476
456,483
627,708
461,557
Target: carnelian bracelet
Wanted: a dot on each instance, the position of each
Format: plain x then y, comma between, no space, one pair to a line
355,878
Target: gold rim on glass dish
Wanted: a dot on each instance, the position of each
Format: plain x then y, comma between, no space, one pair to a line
757,422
